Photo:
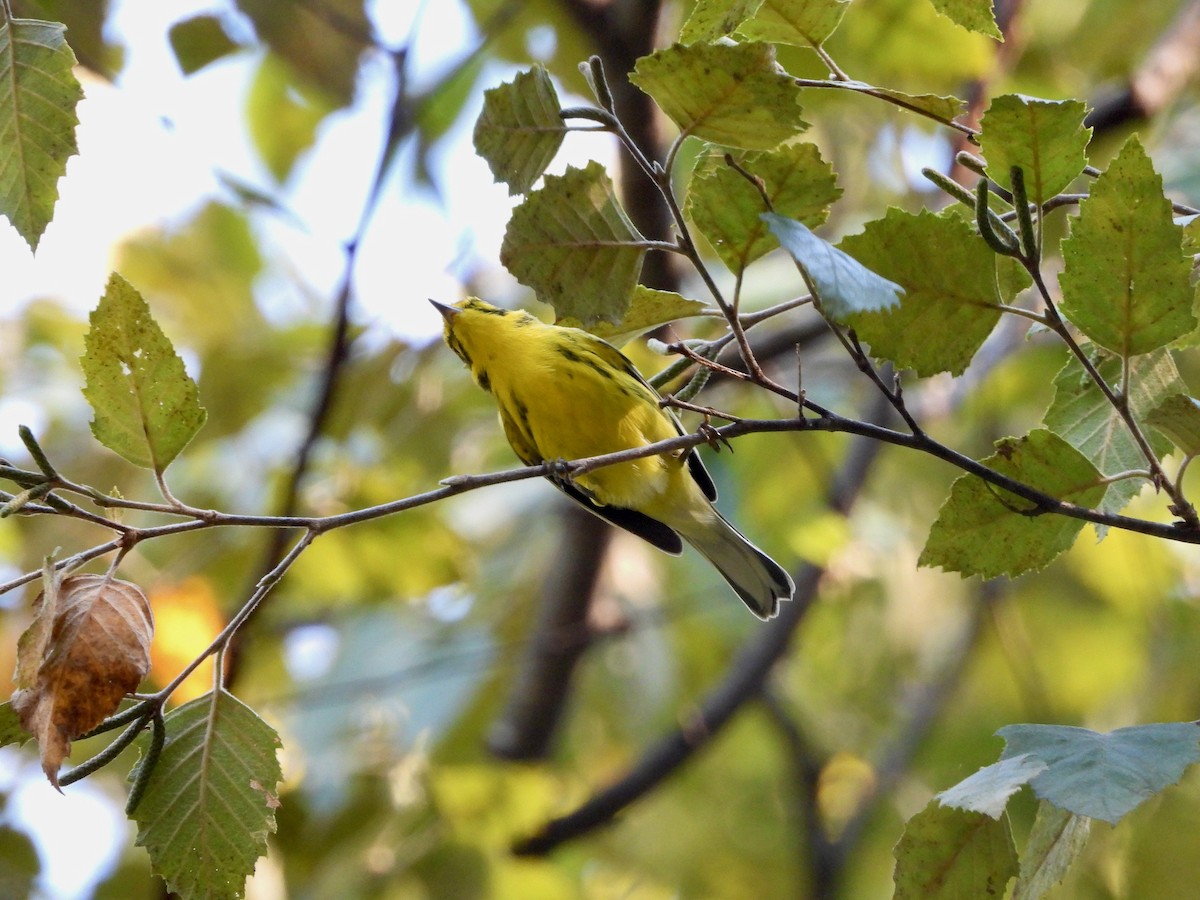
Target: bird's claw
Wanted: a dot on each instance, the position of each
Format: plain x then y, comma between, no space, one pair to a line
712,437
558,471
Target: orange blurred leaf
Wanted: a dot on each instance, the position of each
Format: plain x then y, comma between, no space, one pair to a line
188,619
88,646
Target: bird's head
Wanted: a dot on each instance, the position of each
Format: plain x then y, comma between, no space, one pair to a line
477,331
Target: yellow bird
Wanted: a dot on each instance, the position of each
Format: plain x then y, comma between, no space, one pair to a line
565,394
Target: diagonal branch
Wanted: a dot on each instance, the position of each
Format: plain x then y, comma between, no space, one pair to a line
400,123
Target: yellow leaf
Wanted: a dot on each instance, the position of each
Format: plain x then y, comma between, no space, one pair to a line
188,618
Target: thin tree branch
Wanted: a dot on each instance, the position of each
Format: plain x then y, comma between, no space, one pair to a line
822,420
400,123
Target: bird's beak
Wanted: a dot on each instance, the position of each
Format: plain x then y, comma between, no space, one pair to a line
448,312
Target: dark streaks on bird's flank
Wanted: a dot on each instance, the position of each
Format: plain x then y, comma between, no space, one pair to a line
523,416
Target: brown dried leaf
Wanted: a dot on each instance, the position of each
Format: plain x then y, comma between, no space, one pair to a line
97,650
31,646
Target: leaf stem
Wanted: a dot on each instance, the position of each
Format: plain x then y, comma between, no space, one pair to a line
834,69
1127,475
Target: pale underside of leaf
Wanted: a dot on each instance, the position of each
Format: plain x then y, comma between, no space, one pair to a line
1057,838
1178,417
987,791
1105,776
842,284
1087,420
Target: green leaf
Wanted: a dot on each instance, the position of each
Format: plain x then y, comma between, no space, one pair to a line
1126,279
949,854
804,23
948,276
200,41
439,107
1056,840
1046,138
1178,417
1083,416
572,243
712,19
11,731
726,208
842,284
204,271
325,56
146,407
519,130
973,15
988,790
732,95
283,116
19,863
1104,776
981,530
210,801
38,96
648,310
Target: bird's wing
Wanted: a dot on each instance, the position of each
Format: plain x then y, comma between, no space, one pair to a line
651,530
648,529
618,360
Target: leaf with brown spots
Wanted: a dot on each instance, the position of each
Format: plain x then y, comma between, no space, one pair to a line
88,646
